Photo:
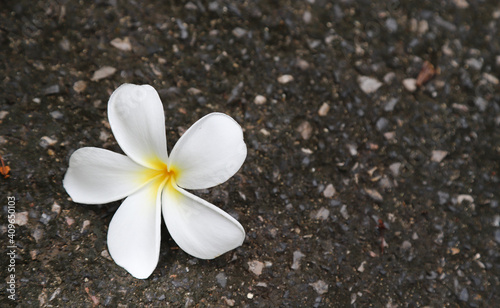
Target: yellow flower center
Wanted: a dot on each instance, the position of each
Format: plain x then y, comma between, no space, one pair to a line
161,175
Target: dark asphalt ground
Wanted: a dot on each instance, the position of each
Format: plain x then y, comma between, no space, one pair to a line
372,176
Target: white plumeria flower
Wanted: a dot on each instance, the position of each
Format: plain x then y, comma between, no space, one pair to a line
207,154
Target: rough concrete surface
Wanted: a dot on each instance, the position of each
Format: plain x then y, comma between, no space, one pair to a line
372,176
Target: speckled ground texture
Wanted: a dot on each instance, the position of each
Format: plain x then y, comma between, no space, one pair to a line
372,176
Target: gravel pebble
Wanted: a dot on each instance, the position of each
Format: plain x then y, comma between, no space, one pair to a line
44,218
260,100
21,218
305,129
122,43
382,124
395,169
389,106
37,234
255,267
80,86
297,256
343,212
239,32
57,115
406,245
284,79
443,197
368,84
3,114
329,191
221,279
497,236
320,287
464,295
410,84
438,155
46,141
374,194
323,110
103,72
51,90
361,267
391,25
321,214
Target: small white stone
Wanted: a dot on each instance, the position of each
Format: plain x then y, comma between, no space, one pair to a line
320,287
496,221
343,212
361,268
103,72
389,77
368,84
105,254
86,224
122,44
284,79
329,191
69,220
239,32
297,256
260,100
423,27
104,135
353,149
390,135
265,132
193,91
302,64
79,86
250,295
307,17
492,79
322,214
375,195
230,302
255,267
438,155
406,245
395,168
323,110
461,4
474,63
3,114
305,129
21,218
46,141
56,208
410,84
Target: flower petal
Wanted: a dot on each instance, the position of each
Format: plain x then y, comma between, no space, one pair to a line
135,231
209,153
137,119
199,228
99,176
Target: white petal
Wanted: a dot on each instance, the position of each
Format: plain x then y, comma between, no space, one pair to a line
209,153
199,228
137,119
99,176
135,231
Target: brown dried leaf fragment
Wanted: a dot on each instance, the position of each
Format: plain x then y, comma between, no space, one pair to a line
426,73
